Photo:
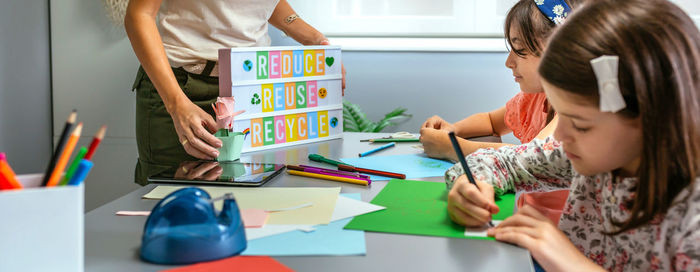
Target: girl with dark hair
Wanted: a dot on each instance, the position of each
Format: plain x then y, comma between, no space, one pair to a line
528,24
623,77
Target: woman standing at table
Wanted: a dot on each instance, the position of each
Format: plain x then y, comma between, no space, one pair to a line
177,45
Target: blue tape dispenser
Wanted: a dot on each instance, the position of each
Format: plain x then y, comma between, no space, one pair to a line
184,228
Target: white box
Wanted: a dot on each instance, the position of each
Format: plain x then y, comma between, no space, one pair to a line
41,228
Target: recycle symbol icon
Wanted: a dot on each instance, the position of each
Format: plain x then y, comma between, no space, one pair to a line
255,99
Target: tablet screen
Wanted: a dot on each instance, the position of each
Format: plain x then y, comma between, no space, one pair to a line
219,173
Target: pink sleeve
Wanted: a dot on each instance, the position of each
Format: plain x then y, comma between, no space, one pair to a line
526,115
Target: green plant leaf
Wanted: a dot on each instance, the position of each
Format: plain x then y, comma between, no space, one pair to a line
354,120
394,119
396,112
381,125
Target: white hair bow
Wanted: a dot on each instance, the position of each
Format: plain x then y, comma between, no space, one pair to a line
605,69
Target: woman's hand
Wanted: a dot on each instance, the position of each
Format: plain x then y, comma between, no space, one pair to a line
436,122
471,206
548,245
199,170
342,66
195,130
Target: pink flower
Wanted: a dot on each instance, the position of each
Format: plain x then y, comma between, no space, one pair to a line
597,258
569,208
681,261
621,261
556,143
622,207
654,262
548,146
657,219
223,108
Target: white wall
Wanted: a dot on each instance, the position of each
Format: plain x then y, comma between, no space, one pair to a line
25,108
93,69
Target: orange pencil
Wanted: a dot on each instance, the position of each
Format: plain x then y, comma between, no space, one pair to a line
7,174
63,159
95,142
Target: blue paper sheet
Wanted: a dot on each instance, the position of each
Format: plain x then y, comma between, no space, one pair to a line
412,165
326,240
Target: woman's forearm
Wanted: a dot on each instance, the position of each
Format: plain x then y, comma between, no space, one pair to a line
298,29
141,29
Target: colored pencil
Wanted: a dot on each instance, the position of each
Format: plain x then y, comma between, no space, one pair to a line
353,174
398,140
327,177
371,171
70,122
95,142
330,172
65,155
73,166
319,158
463,162
366,153
8,179
81,173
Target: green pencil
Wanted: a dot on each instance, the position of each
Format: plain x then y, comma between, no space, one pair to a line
319,158
73,166
384,140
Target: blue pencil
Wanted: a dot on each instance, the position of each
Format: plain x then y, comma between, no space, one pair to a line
377,149
82,172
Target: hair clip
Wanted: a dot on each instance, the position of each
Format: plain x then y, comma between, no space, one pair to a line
555,10
605,69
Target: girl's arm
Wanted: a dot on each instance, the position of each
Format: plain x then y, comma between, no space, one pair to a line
437,144
191,122
481,124
541,164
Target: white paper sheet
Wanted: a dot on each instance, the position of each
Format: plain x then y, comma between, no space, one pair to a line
344,208
479,231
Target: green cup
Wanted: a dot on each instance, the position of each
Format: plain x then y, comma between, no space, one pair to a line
232,144
232,170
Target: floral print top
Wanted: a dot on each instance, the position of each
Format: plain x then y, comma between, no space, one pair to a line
671,242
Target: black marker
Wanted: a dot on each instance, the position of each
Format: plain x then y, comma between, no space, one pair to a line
462,161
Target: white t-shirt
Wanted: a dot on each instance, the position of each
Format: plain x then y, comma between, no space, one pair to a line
193,30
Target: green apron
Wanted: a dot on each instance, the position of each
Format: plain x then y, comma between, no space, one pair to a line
158,145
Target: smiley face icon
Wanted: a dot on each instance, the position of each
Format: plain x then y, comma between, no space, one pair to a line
322,92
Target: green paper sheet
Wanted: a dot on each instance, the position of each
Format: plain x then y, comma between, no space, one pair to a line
419,208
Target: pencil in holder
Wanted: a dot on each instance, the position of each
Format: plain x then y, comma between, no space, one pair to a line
232,144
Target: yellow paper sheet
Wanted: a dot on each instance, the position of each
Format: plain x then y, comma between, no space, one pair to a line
270,198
